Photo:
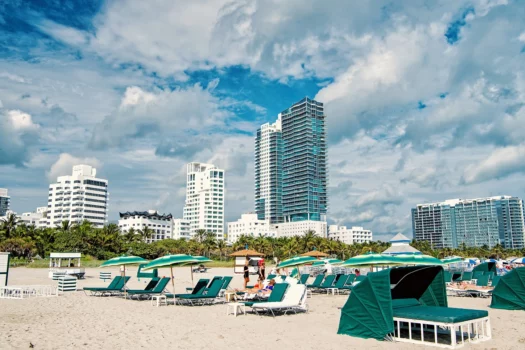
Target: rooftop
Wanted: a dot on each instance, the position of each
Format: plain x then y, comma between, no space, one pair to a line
150,214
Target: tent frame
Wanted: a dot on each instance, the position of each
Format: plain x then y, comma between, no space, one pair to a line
477,330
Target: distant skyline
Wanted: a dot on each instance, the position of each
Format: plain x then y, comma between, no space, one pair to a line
424,101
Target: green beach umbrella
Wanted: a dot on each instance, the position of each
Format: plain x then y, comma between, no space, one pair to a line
124,260
170,261
296,261
370,259
452,260
419,259
327,261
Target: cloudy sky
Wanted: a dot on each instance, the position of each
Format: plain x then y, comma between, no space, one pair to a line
424,100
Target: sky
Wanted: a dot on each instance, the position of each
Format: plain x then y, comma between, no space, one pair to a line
424,101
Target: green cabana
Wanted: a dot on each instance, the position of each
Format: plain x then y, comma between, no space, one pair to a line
368,311
486,267
509,293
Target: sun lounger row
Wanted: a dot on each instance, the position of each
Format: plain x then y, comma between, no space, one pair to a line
333,283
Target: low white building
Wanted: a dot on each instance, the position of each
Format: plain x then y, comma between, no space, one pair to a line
299,228
181,229
38,218
356,234
250,225
160,224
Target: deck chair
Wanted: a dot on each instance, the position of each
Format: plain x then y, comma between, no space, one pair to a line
159,289
198,289
270,277
327,283
351,279
465,276
482,281
151,284
359,278
110,290
490,274
225,284
304,278
341,283
94,290
477,274
207,297
294,300
277,294
447,277
316,283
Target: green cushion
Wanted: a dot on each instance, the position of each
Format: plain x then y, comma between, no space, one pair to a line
439,314
397,303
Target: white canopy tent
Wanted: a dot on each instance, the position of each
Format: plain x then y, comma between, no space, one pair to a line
57,263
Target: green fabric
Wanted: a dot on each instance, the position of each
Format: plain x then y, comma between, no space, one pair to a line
490,274
439,314
370,259
495,281
170,260
360,278
271,276
436,293
159,288
215,278
152,274
149,286
199,288
277,295
111,285
317,282
328,282
296,261
351,279
368,312
124,260
476,274
341,282
211,292
398,303
482,281
447,277
226,282
304,278
509,293
485,267
295,272
466,276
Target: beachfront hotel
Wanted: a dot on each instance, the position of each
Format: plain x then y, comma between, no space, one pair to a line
355,234
181,229
290,170
204,206
4,201
78,197
472,222
250,225
160,225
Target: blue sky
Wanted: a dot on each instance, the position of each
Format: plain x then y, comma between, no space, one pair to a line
424,100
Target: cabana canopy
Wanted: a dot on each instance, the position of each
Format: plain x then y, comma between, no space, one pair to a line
486,267
368,310
316,254
247,252
509,293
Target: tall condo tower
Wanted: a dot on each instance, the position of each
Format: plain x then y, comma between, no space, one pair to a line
269,173
204,207
78,197
4,202
304,161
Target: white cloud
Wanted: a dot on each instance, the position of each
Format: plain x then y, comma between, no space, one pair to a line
18,135
501,163
65,162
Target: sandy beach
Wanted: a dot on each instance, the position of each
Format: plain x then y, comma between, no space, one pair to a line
74,320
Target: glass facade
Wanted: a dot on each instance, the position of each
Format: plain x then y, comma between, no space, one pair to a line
304,162
4,205
474,223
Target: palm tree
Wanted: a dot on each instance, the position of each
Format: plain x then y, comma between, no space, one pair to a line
210,242
308,240
131,236
8,225
200,235
65,226
145,233
221,246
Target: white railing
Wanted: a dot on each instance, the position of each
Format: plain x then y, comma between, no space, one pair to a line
22,292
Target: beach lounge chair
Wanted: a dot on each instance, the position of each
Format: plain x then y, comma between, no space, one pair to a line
198,289
360,278
316,283
225,284
327,283
477,274
495,281
158,289
207,297
465,277
151,284
294,300
447,277
341,283
277,294
304,278
490,274
351,279
482,281
115,287
270,277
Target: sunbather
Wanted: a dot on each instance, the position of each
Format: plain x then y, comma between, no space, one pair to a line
259,289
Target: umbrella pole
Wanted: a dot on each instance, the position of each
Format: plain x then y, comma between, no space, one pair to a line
191,267
172,285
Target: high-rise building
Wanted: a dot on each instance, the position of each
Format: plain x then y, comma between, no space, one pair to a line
4,201
471,222
181,229
304,162
250,225
352,235
78,197
269,172
159,225
205,191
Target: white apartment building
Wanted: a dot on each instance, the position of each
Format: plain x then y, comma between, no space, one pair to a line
352,235
161,225
298,228
4,201
38,218
205,191
181,229
249,225
78,197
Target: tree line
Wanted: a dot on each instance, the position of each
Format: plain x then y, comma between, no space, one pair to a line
27,242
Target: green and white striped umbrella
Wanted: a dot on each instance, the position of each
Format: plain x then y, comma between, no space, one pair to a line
419,259
452,260
327,261
124,260
170,261
370,259
296,261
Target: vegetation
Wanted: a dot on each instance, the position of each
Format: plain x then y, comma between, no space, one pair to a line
27,242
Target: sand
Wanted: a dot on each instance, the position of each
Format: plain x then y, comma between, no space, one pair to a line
75,320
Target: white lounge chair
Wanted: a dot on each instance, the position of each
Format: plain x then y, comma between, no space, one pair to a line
294,300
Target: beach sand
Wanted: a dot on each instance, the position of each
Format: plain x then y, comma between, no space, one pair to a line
74,320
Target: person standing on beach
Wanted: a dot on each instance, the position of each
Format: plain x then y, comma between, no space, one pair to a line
246,274
262,272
